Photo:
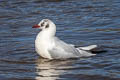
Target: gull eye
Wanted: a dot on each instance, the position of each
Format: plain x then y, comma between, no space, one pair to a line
47,26
42,24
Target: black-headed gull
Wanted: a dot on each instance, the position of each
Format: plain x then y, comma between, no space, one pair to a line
51,47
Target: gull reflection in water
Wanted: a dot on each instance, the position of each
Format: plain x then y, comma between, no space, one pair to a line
50,69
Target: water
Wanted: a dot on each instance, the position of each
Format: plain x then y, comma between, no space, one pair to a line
80,22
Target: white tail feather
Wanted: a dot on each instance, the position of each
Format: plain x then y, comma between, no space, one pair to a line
88,47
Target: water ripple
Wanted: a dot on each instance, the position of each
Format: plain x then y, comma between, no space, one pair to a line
78,22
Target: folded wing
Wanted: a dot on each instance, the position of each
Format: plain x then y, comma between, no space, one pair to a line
64,50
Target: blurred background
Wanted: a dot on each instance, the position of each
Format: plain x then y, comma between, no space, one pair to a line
79,22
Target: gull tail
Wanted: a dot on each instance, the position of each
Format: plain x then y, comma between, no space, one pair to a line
88,48
93,49
86,51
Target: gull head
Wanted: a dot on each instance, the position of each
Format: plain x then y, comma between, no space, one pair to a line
47,26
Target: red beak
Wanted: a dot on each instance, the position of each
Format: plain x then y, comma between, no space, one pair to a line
36,26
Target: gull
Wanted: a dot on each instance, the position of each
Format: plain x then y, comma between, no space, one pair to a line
47,45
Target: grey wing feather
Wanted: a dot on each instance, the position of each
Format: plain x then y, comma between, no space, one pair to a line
67,47
57,53
64,50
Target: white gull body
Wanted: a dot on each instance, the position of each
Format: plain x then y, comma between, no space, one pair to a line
51,47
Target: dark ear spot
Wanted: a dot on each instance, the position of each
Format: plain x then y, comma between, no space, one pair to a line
47,26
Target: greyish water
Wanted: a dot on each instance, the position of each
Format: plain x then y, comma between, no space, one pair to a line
80,22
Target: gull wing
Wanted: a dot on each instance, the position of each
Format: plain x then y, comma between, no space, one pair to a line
57,53
64,50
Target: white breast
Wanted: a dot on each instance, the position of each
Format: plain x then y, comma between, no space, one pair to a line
42,46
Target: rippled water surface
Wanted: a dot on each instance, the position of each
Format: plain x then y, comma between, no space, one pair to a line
80,22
